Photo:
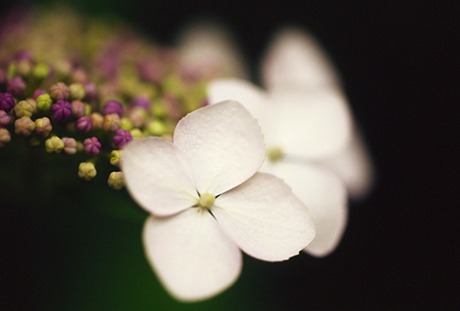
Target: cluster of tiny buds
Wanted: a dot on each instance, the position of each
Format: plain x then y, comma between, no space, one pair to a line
86,101
71,117
47,114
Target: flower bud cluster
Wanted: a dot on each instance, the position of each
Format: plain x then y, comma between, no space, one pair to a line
90,93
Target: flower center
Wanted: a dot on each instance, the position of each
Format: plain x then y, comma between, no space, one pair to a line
274,154
206,200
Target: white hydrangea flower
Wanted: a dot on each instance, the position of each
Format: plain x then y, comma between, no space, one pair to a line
207,201
205,45
308,130
296,60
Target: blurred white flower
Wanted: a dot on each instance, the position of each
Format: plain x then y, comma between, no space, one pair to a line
296,60
308,130
209,49
207,201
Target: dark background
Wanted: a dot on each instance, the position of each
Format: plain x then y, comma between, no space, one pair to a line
399,62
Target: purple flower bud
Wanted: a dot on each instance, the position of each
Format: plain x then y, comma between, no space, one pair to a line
5,119
83,124
142,102
92,146
90,91
111,107
121,138
16,86
61,110
59,91
38,92
6,101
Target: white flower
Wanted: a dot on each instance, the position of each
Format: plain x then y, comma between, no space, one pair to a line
208,48
207,201
295,60
308,131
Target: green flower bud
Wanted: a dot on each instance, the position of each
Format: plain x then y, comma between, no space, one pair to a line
23,109
77,91
156,127
24,126
54,144
112,122
86,170
43,126
87,109
116,180
11,71
5,137
126,124
41,71
136,133
63,68
97,121
159,109
173,85
44,102
23,68
115,157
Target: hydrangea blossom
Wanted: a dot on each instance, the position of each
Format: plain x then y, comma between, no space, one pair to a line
206,48
207,201
295,59
308,130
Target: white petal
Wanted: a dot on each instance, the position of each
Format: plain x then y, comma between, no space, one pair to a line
157,176
355,167
311,124
295,58
325,196
205,45
252,97
190,254
223,144
264,218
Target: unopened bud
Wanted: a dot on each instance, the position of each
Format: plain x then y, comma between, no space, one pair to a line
54,145
86,170
116,180
24,126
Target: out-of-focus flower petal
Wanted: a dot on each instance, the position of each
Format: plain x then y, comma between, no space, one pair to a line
355,167
294,58
310,124
205,44
223,145
252,97
325,196
264,218
191,255
157,176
